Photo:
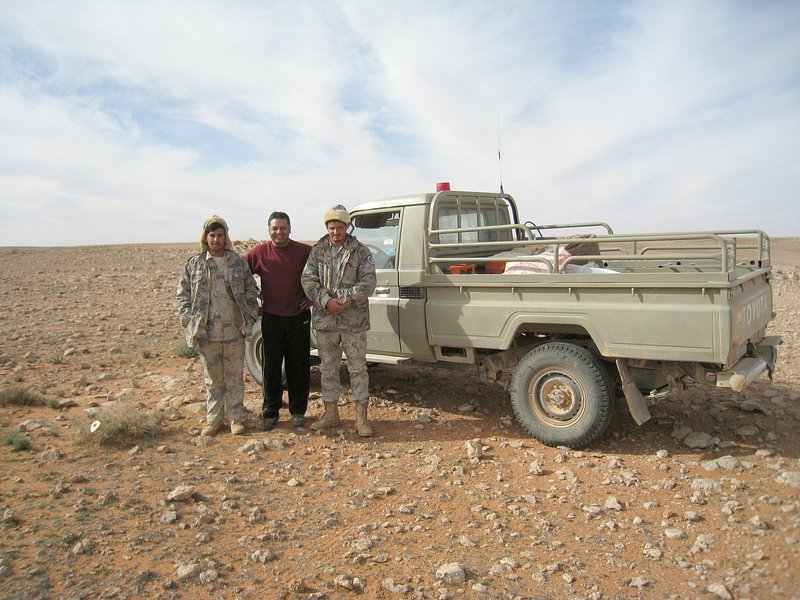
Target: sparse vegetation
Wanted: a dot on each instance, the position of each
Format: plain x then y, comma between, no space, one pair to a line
141,580
19,396
52,403
122,427
18,378
56,358
18,441
183,349
147,354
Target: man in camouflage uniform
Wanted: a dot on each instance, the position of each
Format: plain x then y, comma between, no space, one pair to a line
339,278
218,305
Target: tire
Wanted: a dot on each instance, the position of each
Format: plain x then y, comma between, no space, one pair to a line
253,354
254,357
562,395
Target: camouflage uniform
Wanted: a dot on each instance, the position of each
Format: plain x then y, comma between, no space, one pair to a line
348,275
218,305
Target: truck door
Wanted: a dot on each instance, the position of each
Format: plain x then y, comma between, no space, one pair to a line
378,231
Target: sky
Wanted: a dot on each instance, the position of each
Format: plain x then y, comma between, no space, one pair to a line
133,122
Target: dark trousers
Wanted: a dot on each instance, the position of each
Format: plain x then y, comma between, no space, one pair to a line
286,340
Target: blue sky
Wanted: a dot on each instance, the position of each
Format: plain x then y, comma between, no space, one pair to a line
130,122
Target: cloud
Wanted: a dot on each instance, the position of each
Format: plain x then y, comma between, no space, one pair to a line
133,123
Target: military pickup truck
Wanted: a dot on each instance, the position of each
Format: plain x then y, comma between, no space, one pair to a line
567,317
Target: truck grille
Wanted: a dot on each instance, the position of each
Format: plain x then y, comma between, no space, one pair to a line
412,293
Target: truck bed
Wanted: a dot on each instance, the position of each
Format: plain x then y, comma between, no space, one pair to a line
699,296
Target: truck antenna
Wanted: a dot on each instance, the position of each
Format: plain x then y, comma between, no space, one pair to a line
499,159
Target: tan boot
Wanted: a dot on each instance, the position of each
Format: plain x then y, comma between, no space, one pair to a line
211,428
362,428
237,428
329,419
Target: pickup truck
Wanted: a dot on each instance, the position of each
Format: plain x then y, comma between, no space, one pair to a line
567,317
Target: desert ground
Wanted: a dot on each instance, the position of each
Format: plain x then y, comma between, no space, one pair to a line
450,499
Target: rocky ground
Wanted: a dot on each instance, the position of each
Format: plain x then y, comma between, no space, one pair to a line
450,499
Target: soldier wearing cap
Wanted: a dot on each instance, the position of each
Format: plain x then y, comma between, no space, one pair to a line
339,278
218,305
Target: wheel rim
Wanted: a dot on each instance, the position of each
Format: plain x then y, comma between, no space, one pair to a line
557,398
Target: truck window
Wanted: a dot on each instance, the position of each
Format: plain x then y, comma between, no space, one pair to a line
470,213
378,232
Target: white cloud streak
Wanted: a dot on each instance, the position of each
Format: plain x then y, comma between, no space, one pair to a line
133,122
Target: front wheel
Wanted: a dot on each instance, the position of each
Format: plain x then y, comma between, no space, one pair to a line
562,395
254,353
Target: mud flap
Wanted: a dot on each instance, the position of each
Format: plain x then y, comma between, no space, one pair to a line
636,402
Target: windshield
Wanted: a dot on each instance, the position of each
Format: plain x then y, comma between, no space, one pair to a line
378,232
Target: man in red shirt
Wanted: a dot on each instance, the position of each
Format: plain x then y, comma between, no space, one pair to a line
285,329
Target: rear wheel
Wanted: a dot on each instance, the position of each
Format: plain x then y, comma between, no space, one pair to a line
562,395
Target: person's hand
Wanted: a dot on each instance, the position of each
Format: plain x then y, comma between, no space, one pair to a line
334,306
305,304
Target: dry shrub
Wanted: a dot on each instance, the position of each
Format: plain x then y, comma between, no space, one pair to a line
19,396
183,349
18,441
123,426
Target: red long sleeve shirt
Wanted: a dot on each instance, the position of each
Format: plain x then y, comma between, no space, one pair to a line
279,269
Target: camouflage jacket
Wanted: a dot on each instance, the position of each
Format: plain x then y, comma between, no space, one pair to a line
352,281
194,291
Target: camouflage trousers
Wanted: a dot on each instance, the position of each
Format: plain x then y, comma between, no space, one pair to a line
223,363
330,345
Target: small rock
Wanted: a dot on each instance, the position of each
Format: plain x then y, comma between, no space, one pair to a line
50,454
719,590
675,534
261,556
451,573
698,439
465,541
789,478
474,448
680,433
349,582
181,493
208,576
653,553
751,406
389,585
252,446
638,582
83,547
706,485
747,431
169,517
187,571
